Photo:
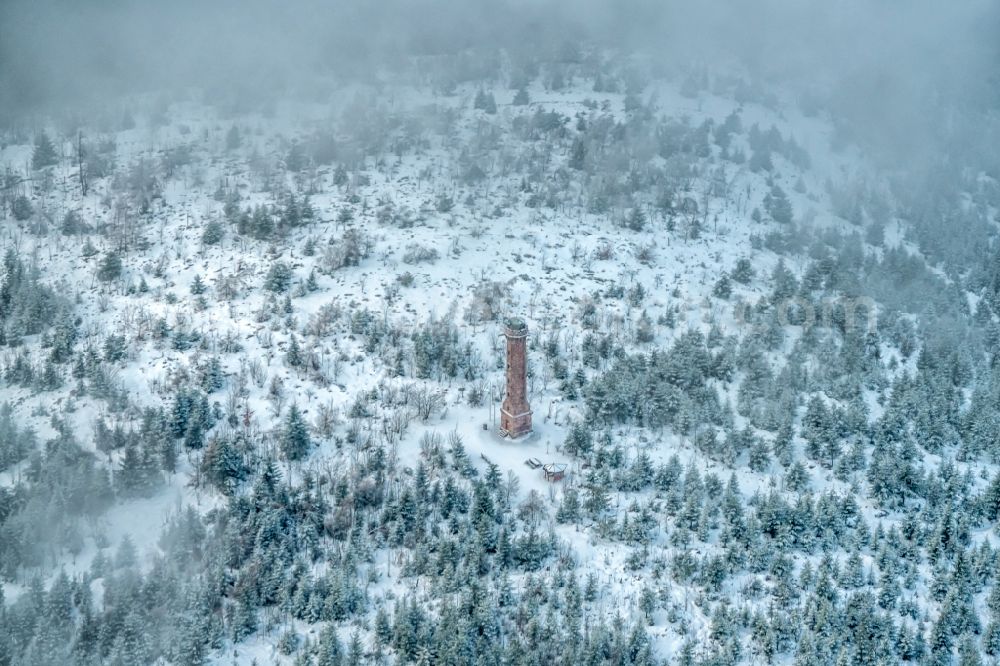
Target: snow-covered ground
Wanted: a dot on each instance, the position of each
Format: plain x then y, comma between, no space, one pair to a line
549,263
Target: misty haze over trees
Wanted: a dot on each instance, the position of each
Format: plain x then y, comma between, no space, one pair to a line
257,258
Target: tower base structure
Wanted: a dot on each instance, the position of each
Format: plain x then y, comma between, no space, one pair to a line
515,426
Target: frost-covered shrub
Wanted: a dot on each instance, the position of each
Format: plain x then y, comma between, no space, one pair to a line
416,253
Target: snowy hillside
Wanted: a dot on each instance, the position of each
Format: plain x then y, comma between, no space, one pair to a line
252,367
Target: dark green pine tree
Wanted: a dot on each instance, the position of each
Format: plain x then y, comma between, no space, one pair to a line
212,377
194,434
578,440
213,233
293,356
782,447
329,652
777,206
636,221
198,286
63,338
195,629
569,509
21,208
383,627
50,378
744,272
991,500
223,465
260,226
166,448
785,284
991,638
723,288
597,501
44,154
295,440
355,651
968,652
129,481
279,277
578,154
110,267
131,645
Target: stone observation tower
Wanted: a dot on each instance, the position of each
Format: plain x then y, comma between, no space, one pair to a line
515,413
